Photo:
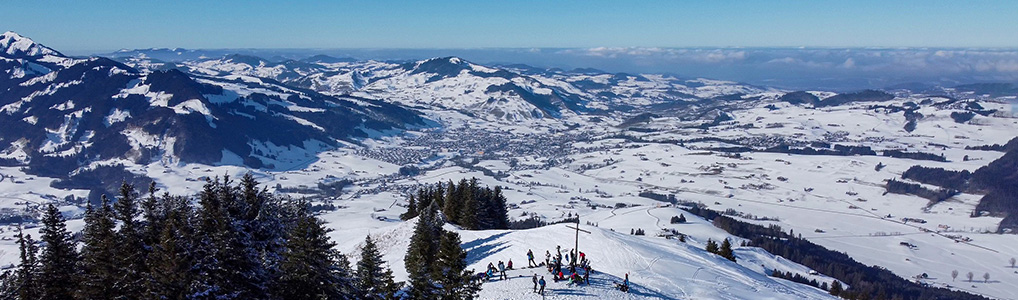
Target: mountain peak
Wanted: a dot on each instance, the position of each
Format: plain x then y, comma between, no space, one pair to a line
15,45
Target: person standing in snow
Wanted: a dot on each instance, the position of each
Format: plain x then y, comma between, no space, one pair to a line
530,259
586,276
547,258
501,268
510,264
541,282
625,284
535,282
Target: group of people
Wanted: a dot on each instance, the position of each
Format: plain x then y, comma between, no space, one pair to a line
573,261
576,261
492,269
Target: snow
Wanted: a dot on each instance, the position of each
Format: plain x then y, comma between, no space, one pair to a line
115,116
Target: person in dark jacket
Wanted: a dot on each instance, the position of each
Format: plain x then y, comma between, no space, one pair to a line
541,282
530,259
535,282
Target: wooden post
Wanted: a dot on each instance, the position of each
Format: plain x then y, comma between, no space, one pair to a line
576,245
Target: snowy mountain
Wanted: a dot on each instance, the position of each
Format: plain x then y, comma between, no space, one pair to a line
622,151
63,116
496,93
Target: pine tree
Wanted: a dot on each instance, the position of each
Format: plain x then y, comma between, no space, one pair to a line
471,207
169,261
726,250
411,209
58,262
836,288
27,279
453,204
130,250
373,279
420,256
499,210
208,246
311,268
99,262
451,273
712,247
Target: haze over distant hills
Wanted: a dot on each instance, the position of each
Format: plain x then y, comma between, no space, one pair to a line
841,69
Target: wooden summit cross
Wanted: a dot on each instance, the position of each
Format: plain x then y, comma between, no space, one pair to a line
576,246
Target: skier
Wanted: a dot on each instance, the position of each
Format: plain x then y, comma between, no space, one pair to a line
535,282
586,276
625,284
547,257
541,282
510,264
530,258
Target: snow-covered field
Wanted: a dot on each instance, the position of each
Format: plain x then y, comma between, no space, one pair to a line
586,166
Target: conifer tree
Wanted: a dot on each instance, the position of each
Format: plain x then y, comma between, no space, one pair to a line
836,288
373,279
451,272
712,247
499,210
130,249
726,250
27,283
411,209
453,204
58,262
420,256
471,207
311,268
209,246
99,262
169,261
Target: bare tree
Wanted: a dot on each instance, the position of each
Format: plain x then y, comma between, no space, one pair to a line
970,275
954,275
1012,262
986,277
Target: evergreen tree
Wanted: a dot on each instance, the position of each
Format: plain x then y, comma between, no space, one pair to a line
169,261
209,246
264,224
58,262
453,204
311,268
99,262
836,288
27,283
9,285
152,217
712,247
726,250
411,209
451,273
130,251
471,207
373,279
499,212
420,256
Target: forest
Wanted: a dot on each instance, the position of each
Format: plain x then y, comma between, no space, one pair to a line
238,242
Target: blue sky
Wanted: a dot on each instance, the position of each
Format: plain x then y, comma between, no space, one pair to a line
76,26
